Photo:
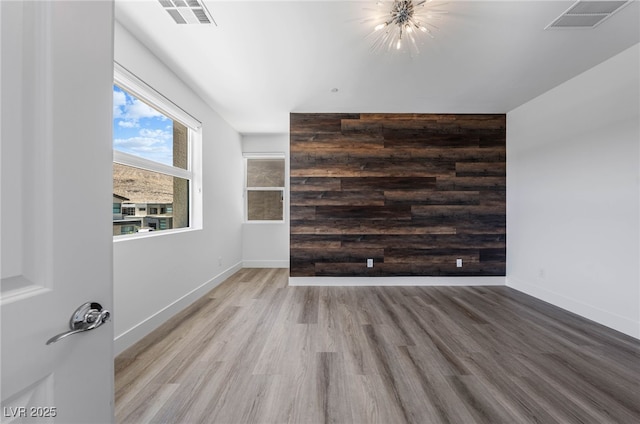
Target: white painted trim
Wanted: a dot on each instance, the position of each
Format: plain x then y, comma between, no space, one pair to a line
136,333
151,234
266,264
150,165
246,188
193,174
136,86
397,281
606,318
25,291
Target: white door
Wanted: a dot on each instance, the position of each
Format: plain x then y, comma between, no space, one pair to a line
56,250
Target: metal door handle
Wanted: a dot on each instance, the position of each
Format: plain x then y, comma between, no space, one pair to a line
87,317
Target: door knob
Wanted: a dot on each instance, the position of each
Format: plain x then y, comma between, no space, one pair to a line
87,317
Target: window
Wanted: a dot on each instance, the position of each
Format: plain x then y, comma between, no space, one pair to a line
156,155
265,188
128,211
128,229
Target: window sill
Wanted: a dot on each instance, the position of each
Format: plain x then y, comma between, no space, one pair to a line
151,234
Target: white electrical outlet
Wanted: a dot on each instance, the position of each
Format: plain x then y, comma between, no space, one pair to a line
369,263
459,263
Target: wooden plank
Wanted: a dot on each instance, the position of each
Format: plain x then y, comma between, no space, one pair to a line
368,227
416,138
308,142
336,198
318,122
361,126
424,241
306,241
375,168
493,255
388,183
431,197
339,255
367,149
481,169
463,211
299,213
315,184
448,183
430,121
458,154
431,256
363,213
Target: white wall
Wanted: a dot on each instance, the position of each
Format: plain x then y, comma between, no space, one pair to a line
573,194
266,245
157,276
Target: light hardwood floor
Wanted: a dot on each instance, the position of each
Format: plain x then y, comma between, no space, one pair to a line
257,351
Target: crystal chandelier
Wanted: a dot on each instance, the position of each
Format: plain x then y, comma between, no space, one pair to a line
403,22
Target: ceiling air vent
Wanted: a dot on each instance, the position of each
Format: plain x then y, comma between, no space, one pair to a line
187,11
587,14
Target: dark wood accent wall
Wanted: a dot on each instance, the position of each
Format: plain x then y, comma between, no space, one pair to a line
413,192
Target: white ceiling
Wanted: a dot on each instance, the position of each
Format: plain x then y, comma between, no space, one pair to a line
266,59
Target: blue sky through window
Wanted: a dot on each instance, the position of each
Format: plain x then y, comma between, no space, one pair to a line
140,130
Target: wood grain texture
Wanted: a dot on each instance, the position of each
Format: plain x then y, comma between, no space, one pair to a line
391,177
255,350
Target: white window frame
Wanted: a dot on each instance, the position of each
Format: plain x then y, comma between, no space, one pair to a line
282,189
135,86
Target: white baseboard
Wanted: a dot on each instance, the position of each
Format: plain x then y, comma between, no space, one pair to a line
136,333
265,264
606,318
397,281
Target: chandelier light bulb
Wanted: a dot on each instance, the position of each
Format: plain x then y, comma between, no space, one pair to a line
399,44
379,27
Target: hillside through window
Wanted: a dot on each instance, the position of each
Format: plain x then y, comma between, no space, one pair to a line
151,170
